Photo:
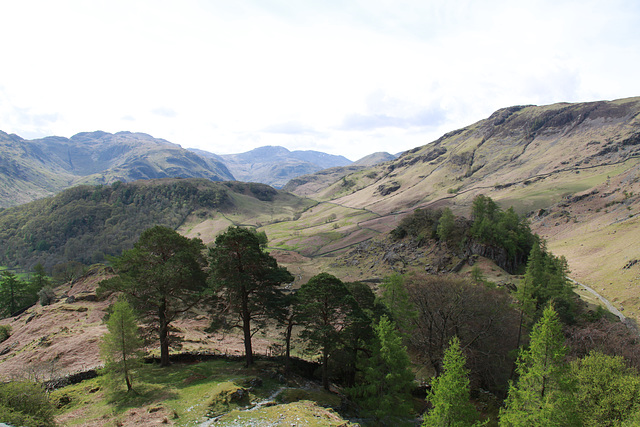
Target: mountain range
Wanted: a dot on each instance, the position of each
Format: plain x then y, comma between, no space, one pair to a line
31,169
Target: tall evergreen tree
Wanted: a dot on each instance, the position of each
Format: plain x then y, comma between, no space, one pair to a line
326,311
120,346
446,224
163,276
385,388
396,299
543,394
545,280
11,293
247,281
449,395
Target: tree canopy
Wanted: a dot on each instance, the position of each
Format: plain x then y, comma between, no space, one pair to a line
326,310
247,281
163,276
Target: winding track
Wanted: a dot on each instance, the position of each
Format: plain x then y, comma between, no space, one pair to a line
624,319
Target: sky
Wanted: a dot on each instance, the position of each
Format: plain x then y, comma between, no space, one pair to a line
343,77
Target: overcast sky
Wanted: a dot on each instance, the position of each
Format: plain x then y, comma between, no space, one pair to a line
344,77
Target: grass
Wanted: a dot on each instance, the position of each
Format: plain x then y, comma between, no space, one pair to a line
187,394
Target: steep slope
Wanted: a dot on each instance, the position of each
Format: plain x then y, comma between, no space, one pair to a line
32,169
312,183
275,166
573,168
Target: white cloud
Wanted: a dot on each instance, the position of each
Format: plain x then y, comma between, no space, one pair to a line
349,78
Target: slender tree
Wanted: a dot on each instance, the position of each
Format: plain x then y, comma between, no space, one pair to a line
326,311
543,394
449,395
247,281
446,225
11,290
120,346
385,387
163,276
396,300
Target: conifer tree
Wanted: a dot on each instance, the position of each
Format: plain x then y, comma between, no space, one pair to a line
163,277
446,224
449,394
247,281
326,311
386,375
120,346
396,299
607,390
543,394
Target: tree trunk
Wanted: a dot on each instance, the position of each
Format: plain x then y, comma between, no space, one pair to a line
287,355
246,329
325,368
164,335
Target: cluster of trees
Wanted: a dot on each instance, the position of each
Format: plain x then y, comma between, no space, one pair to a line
17,294
469,334
87,223
596,390
503,236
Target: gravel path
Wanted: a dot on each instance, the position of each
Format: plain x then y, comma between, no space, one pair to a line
627,322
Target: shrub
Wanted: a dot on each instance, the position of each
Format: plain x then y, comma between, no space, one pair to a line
25,403
5,332
46,295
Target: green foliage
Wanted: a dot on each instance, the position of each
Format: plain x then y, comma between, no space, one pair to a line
5,332
501,229
545,280
246,281
446,225
88,223
384,388
326,310
449,395
421,224
46,295
507,237
163,276
16,294
543,395
396,299
120,346
25,404
607,391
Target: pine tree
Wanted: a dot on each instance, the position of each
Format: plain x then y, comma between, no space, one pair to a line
326,311
449,394
386,375
120,346
543,394
247,281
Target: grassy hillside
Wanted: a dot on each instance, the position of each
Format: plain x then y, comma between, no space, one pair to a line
572,168
89,223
